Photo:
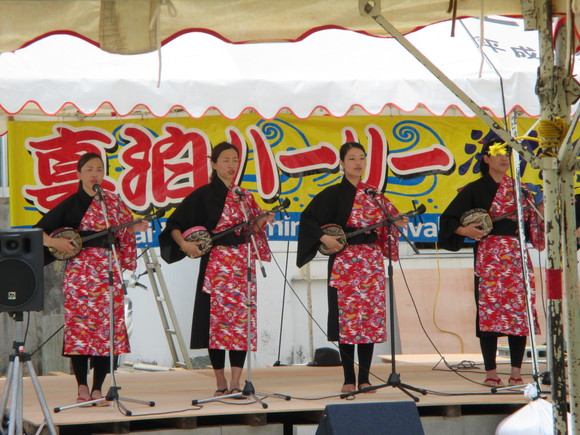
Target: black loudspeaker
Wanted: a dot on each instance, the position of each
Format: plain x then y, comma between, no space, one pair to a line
21,270
389,418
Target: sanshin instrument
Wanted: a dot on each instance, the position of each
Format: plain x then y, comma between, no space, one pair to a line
482,217
77,240
479,216
206,239
336,230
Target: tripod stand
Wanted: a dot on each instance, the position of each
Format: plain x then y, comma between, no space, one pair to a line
112,395
248,390
14,387
394,378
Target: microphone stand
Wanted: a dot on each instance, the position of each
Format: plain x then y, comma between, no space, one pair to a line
113,393
249,390
523,257
394,378
278,363
286,216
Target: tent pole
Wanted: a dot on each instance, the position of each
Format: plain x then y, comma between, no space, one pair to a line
572,304
373,10
567,156
552,94
568,153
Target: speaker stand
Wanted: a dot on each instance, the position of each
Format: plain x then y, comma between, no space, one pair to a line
14,386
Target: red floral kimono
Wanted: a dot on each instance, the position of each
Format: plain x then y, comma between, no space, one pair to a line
86,286
502,297
358,273
226,279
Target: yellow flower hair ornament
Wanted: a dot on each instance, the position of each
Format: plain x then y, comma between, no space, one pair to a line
498,149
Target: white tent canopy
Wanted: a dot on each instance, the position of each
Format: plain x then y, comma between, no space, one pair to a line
331,71
137,26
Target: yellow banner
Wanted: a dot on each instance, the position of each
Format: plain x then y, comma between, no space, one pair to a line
155,163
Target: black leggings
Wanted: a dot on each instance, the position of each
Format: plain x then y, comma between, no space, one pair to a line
517,344
218,358
80,364
365,357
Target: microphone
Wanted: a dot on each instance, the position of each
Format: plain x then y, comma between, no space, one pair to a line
238,191
100,194
284,205
372,192
133,281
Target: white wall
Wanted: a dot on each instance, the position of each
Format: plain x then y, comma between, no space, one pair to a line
148,341
300,335
149,344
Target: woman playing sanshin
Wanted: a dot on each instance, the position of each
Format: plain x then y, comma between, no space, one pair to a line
220,317
356,274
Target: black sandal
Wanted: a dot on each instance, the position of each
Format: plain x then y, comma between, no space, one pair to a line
236,391
219,393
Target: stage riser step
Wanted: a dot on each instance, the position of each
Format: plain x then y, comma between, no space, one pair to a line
270,429
463,425
503,350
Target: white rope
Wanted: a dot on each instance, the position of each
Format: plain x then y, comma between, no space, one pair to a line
154,24
159,61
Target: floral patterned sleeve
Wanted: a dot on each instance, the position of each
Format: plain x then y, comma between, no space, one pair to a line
261,236
127,246
389,245
535,227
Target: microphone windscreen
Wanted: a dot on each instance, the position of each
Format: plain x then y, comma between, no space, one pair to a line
99,190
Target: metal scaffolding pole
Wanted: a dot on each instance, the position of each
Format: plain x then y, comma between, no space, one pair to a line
552,95
571,302
557,89
373,9
567,157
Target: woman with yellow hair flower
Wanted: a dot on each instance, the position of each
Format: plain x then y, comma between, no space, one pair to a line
499,280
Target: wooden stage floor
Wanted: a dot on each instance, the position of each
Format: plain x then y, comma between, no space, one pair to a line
311,389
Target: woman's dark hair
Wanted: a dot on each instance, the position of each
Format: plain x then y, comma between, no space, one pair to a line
216,152
484,167
85,158
345,148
